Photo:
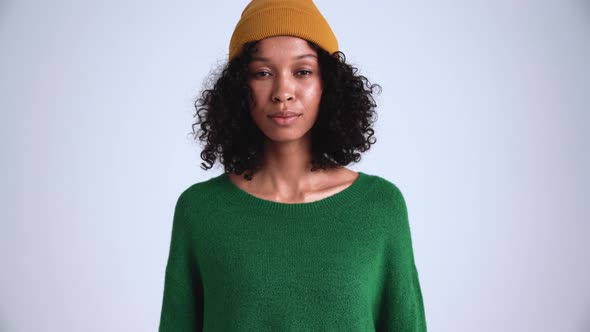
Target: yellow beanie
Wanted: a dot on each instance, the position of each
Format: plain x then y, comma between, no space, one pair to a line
266,18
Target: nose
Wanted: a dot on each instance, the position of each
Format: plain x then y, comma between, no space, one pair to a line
283,89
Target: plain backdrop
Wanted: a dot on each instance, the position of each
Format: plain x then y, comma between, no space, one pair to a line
482,124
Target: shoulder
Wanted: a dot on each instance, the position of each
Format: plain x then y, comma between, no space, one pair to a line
199,192
386,201
386,189
389,204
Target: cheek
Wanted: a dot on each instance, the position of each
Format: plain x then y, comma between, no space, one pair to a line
317,89
314,94
257,94
253,99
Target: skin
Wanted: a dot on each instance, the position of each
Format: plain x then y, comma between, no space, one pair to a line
284,76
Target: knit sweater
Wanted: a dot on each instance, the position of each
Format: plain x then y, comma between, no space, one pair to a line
238,262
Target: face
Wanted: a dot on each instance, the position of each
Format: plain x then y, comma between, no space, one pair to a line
284,78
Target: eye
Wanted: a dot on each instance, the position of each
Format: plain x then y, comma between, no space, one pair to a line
260,74
304,72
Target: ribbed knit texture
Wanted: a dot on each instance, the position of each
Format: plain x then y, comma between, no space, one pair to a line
267,18
241,263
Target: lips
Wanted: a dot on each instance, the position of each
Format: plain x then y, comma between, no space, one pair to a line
287,119
285,114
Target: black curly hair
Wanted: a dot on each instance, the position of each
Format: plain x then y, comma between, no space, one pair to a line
342,128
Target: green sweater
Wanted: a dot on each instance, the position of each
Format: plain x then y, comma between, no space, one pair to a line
241,263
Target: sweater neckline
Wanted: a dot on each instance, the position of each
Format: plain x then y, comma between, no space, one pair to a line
236,195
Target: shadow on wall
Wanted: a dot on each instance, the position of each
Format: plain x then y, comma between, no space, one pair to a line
2,326
585,6
3,10
584,327
5,6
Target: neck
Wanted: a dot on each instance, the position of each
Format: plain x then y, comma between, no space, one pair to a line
286,169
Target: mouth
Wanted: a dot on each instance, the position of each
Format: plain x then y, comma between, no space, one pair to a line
285,120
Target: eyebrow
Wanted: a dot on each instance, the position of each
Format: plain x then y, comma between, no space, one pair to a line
299,57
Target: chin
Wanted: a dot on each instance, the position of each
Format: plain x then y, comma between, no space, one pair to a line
283,139
286,137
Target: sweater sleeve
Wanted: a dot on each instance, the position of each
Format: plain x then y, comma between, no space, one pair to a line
402,307
182,303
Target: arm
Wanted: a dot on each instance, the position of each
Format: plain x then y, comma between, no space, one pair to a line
182,303
402,307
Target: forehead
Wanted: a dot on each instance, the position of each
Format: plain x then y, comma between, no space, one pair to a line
283,47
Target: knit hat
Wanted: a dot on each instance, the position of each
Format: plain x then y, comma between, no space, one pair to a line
266,18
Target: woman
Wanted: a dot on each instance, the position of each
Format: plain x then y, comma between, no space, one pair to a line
298,242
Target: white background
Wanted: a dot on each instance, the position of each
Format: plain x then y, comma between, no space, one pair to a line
483,125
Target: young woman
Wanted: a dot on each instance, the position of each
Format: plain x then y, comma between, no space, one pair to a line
288,238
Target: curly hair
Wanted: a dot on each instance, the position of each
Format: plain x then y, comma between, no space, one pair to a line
342,128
